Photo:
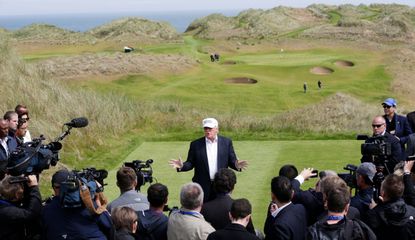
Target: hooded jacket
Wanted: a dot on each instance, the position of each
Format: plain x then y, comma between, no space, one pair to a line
393,220
152,225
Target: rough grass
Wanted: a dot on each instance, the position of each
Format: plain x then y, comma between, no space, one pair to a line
51,104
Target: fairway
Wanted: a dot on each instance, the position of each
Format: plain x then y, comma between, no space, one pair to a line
265,158
279,75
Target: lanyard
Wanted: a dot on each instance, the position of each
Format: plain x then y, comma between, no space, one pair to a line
331,217
195,214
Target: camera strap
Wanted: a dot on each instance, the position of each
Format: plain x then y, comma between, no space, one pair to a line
88,202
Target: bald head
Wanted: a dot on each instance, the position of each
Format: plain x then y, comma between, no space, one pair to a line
4,128
378,125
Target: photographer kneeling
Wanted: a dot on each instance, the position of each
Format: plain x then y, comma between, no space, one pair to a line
61,222
19,207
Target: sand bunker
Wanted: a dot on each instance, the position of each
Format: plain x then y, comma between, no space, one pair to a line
344,63
229,62
321,70
243,80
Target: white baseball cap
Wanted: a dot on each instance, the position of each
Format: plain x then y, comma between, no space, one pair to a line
210,123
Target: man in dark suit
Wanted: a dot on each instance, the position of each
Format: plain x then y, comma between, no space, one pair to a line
411,120
289,220
240,213
7,145
207,155
379,131
216,211
396,125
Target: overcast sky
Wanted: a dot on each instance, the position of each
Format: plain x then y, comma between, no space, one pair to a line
18,7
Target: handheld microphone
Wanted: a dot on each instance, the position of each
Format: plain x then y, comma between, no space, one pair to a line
78,122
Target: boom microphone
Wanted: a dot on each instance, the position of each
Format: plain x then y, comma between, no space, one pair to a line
78,122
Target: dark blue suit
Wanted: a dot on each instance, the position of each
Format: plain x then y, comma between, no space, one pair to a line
402,128
12,145
197,159
290,224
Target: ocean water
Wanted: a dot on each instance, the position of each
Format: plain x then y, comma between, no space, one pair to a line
84,22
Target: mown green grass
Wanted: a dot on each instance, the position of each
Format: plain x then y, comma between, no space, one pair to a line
265,158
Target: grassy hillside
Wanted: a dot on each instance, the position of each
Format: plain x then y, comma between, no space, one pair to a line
375,22
134,30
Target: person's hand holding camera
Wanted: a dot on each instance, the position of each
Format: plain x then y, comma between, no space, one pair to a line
32,181
408,166
308,173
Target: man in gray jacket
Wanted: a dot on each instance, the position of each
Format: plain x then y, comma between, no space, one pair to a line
188,223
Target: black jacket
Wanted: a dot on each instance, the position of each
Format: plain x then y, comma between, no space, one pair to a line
123,234
152,225
310,199
232,231
290,223
14,220
345,229
392,220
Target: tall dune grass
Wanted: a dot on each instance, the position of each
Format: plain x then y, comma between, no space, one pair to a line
51,104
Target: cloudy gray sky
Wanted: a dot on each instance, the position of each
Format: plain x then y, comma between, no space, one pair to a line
18,7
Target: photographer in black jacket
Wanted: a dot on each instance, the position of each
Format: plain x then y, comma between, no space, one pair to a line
20,206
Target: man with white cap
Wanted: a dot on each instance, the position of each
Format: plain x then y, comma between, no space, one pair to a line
207,155
396,125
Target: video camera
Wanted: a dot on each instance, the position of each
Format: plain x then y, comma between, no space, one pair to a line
143,170
350,177
88,177
34,157
92,174
376,146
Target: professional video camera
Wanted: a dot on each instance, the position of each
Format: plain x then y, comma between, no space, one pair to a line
70,196
350,177
33,157
92,174
375,146
143,170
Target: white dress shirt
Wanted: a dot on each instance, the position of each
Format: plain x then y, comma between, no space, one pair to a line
212,155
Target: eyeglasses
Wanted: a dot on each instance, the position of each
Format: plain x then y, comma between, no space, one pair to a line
25,119
377,125
386,106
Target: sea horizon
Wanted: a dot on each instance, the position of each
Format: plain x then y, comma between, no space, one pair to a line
85,21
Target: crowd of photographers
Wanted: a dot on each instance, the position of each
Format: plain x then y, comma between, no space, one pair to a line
375,200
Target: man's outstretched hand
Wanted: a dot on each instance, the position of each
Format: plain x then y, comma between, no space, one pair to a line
241,164
176,163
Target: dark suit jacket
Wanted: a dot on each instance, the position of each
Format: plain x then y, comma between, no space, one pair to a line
310,199
232,231
197,159
402,128
396,152
12,145
216,212
411,120
290,223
